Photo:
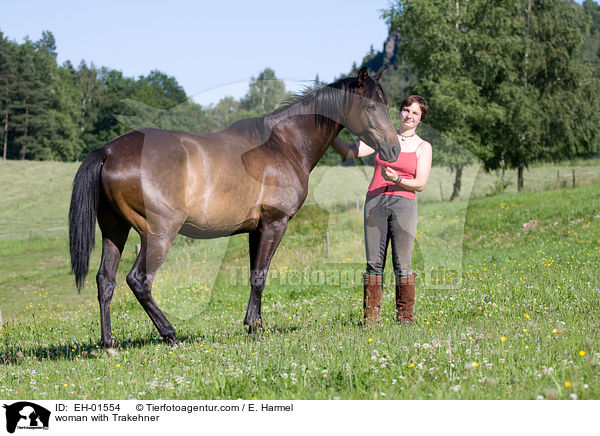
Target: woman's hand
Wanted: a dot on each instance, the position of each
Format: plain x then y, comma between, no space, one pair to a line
389,174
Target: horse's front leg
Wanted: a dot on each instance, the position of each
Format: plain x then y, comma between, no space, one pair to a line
263,243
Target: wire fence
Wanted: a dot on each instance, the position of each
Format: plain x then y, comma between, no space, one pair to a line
537,179
32,234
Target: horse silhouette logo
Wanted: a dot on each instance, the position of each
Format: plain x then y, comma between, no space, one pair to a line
25,415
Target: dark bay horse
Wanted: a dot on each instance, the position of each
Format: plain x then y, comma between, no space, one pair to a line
249,178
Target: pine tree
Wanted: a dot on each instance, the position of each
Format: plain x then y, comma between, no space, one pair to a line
46,44
7,85
30,98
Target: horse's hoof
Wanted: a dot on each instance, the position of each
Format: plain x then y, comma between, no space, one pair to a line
170,341
252,328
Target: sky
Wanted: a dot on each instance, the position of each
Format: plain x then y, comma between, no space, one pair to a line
213,48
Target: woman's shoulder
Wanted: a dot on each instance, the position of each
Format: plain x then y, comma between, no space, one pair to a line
424,147
424,143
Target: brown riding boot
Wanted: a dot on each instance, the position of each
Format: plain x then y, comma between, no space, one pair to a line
405,298
372,298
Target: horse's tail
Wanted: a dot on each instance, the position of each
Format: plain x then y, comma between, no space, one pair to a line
82,214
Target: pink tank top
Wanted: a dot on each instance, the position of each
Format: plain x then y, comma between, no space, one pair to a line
405,165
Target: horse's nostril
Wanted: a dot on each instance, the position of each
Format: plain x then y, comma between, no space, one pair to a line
391,154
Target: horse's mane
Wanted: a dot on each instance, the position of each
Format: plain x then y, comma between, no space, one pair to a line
331,95
324,102
329,98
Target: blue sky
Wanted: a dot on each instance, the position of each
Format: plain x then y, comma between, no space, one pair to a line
213,48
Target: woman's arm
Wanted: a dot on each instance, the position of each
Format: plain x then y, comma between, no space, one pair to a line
423,169
351,151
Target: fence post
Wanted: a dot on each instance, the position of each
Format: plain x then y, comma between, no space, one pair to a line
557,179
326,244
573,177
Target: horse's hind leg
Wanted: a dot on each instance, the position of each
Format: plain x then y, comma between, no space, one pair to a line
154,248
114,234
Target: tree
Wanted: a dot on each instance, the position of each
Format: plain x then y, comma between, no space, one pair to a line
188,116
399,76
435,50
496,72
591,44
225,112
158,90
47,44
116,88
549,78
7,85
31,94
63,136
265,92
89,93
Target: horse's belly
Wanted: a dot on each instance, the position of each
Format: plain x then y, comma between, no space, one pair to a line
206,232
215,222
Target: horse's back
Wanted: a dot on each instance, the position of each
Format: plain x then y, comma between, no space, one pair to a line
143,175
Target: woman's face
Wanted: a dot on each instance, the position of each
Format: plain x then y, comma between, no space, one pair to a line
410,116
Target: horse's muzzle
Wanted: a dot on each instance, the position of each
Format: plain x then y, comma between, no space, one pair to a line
390,154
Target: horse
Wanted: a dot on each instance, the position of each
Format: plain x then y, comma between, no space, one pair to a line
250,178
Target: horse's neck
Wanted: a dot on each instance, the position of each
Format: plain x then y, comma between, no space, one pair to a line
305,131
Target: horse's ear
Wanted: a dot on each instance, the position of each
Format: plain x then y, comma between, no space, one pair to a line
363,75
381,72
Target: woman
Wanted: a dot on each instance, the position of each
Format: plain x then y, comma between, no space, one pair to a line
391,211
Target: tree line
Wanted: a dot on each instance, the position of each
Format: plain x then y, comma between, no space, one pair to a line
52,112
512,82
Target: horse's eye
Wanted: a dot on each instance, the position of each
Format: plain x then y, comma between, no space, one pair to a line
371,107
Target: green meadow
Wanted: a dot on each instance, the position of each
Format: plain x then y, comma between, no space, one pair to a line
508,299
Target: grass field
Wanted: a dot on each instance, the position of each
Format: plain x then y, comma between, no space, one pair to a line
512,315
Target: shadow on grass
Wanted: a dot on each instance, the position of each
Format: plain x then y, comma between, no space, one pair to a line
275,329
334,322
14,355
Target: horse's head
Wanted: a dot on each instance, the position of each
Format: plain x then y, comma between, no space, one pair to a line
366,115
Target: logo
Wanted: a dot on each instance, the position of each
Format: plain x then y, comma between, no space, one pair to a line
25,415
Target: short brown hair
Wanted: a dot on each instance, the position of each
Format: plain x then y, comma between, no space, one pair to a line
416,99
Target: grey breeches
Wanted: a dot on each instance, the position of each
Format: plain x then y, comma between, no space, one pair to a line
390,218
